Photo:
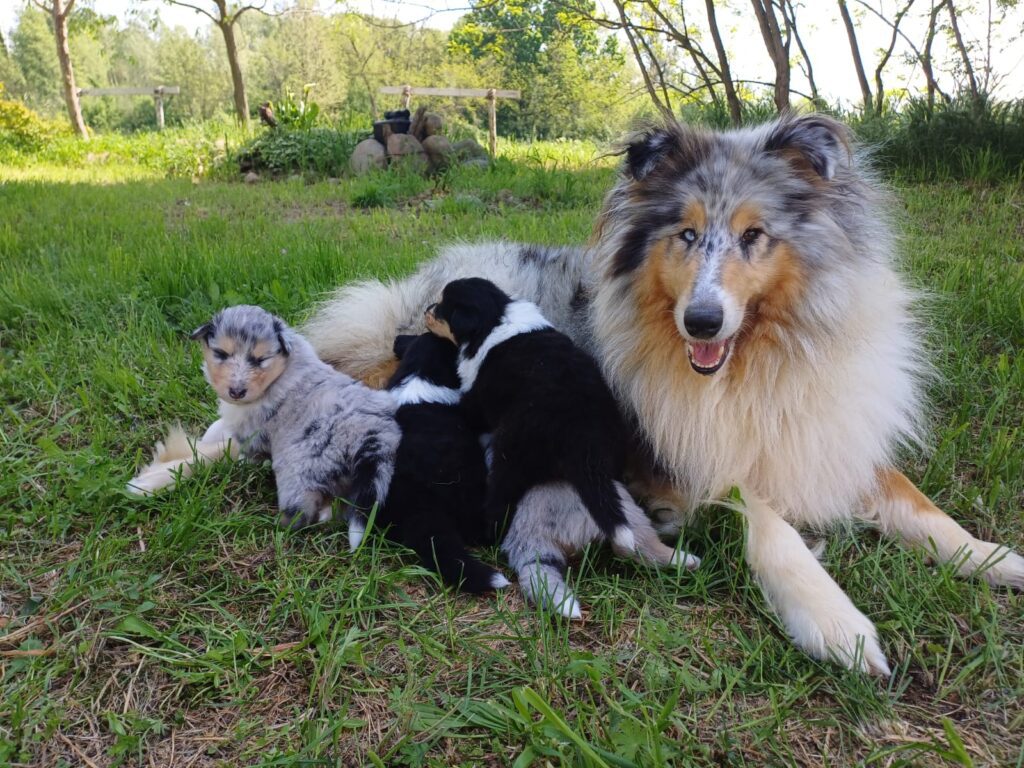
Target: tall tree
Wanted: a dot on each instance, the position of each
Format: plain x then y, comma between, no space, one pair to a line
788,9
961,47
225,16
886,55
777,45
59,11
725,73
858,62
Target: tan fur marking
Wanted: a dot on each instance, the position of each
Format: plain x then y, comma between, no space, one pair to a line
895,486
378,376
665,277
770,287
438,327
695,216
746,216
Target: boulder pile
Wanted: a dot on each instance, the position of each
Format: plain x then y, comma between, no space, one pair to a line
415,143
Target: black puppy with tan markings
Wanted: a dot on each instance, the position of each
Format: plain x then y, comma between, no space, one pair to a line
550,413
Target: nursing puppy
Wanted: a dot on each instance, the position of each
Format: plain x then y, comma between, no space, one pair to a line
436,499
328,436
549,412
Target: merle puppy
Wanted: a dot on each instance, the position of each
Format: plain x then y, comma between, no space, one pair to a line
436,499
552,416
328,436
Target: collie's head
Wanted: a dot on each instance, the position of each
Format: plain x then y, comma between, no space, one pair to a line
718,241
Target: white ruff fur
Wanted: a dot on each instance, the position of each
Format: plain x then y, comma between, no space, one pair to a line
415,391
811,421
519,317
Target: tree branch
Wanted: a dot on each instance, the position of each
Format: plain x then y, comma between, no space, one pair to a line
195,8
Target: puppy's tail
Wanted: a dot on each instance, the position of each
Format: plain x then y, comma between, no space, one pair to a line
354,329
601,498
446,554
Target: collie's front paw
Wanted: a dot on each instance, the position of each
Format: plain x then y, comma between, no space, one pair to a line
845,636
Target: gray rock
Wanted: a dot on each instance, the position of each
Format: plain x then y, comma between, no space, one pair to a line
251,177
468,149
432,124
367,156
439,152
406,152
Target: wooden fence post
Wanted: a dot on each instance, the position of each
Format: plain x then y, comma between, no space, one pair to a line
158,97
492,121
406,96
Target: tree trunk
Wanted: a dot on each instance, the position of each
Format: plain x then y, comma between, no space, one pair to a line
968,69
665,109
858,63
60,11
789,15
778,51
227,28
733,100
926,55
879,89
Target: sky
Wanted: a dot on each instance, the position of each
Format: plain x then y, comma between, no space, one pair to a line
820,26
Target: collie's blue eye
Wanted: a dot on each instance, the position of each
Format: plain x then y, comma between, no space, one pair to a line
689,235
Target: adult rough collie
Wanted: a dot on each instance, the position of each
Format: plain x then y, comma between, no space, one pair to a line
740,295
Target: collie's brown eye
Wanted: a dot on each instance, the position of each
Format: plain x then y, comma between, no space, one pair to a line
688,235
750,236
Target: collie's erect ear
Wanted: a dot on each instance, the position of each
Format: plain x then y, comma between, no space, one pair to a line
282,338
202,333
645,150
402,344
817,142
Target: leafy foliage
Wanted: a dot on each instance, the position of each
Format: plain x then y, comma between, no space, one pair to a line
21,129
323,151
295,113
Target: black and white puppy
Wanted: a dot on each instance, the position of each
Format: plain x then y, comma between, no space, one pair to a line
551,415
435,503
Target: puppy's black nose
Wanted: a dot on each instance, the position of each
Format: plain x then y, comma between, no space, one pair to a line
237,393
703,321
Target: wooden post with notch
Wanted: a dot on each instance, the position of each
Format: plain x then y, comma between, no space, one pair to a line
157,92
491,94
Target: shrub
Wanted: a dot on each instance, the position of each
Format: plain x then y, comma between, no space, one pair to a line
22,130
323,151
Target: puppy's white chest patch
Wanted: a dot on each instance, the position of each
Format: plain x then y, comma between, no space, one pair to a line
520,317
415,391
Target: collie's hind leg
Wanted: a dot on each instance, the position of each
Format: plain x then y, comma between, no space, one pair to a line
900,510
817,614
649,548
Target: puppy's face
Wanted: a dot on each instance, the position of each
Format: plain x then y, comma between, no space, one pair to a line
469,309
428,357
244,352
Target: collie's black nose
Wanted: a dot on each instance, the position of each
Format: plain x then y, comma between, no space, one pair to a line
703,321
237,393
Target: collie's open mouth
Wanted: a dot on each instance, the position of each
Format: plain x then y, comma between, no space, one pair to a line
707,357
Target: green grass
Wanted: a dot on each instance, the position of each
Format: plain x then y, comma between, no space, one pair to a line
188,630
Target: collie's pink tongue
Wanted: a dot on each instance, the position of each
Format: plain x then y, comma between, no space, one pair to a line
706,355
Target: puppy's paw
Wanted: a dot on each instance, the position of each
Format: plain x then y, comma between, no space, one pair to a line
685,560
498,581
570,608
356,531
155,477
624,540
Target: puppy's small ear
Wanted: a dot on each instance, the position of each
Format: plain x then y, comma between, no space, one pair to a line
817,143
202,333
282,338
402,344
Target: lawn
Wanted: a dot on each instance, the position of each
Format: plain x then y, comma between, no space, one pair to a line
187,630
